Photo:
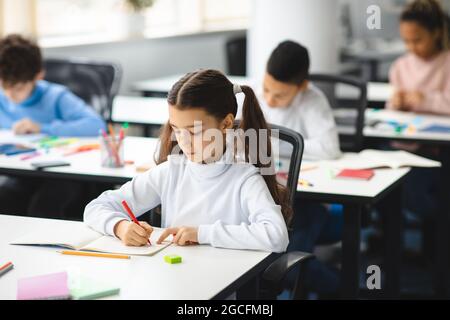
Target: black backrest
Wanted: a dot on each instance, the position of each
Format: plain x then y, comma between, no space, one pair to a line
295,140
349,114
236,51
95,82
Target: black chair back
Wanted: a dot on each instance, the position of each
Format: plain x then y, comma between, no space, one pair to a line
97,83
348,113
236,52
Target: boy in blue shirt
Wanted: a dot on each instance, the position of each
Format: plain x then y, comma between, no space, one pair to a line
29,104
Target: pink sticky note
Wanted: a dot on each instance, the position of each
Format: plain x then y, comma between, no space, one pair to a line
49,286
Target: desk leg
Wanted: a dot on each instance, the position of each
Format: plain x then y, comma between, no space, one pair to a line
369,70
391,208
351,251
249,290
147,131
442,228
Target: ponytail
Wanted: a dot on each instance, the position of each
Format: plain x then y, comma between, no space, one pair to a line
430,15
253,118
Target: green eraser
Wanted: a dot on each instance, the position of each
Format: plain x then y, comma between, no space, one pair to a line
172,258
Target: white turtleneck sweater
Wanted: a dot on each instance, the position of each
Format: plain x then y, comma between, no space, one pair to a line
230,203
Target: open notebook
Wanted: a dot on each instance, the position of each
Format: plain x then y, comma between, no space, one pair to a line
78,236
372,159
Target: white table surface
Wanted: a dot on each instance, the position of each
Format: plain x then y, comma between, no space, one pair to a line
138,149
417,120
324,183
142,110
376,91
204,272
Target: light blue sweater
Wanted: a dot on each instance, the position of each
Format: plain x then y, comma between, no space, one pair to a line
55,108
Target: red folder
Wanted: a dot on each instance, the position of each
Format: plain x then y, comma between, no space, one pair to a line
366,174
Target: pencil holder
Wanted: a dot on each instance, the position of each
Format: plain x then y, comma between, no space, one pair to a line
111,152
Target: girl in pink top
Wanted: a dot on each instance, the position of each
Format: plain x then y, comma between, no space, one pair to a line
421,77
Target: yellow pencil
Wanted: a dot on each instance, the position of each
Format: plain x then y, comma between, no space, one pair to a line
305,183
94,254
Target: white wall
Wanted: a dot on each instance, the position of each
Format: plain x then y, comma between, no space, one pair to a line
313,23
150,58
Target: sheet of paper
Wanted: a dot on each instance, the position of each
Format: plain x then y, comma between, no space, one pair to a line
7,136
74,235
114,245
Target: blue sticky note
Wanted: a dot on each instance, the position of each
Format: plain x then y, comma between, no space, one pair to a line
437,128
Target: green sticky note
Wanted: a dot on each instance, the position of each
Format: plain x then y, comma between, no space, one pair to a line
82,288
172,258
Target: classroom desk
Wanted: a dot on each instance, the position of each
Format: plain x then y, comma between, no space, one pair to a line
86,165
377,92
159,87
383,188
419,121
439,140
205,273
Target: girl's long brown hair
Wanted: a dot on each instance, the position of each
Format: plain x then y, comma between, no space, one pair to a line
211,91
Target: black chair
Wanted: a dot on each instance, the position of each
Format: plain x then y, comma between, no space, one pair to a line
349,113
236,52
95,82
274,275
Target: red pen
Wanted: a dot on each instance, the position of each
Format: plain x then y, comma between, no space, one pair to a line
121,137
132,216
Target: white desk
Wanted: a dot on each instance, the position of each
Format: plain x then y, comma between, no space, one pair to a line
85,165
376,91
419,121
140,110
384,190
205,272
161,86
324,184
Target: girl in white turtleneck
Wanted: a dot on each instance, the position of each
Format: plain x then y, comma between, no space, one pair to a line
206,196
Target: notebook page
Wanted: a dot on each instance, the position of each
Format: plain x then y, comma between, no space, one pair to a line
73,235
356,161
400,158
113,245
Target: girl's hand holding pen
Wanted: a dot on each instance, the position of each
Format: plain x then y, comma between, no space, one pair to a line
133,234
